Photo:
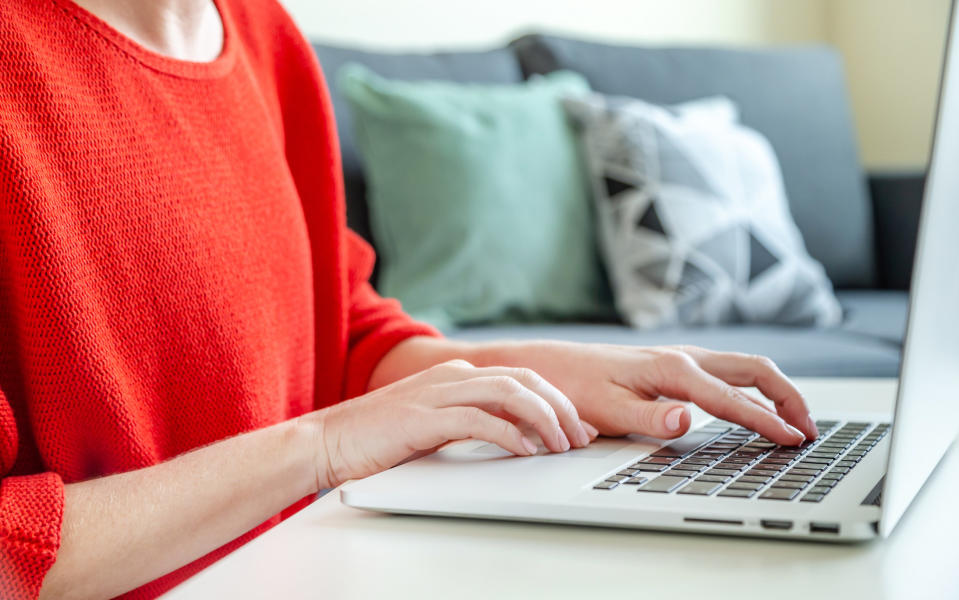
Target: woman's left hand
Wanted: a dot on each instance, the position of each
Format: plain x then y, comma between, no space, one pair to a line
623,389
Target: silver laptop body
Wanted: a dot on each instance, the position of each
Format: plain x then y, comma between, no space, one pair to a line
884,466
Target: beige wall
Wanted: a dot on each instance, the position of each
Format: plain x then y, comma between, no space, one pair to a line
429,24
892,48
893,51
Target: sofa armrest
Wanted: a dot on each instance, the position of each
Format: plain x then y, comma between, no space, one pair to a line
897,200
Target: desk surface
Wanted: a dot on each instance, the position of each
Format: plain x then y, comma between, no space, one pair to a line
329,550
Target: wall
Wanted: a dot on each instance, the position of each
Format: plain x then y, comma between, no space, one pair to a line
426,24
893,51
892,48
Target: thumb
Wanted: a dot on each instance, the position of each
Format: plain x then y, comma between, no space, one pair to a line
628,413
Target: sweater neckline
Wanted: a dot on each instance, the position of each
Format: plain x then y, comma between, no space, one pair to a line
217,67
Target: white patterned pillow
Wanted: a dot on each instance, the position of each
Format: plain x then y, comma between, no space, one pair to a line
693,217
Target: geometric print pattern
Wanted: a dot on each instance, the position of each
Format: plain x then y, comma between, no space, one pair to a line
694,222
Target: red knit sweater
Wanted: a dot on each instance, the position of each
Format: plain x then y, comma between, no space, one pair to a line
174,262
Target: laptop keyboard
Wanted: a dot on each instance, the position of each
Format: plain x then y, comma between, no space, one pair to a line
726,460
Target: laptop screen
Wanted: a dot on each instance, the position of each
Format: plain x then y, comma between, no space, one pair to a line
927,410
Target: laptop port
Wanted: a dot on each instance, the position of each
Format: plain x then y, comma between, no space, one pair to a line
712,521
815,527
776,524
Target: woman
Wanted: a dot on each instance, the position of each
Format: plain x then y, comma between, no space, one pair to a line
183,310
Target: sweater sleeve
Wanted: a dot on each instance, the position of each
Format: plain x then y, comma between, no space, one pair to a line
376,324
31,515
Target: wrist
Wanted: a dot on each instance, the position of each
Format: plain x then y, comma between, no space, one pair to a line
318,464
506,354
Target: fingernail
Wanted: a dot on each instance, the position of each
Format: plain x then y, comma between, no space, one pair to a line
674,417
529,445
582,438
811,425
563,441
592,431
793,431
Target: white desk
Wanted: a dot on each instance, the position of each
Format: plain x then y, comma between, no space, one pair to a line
331,551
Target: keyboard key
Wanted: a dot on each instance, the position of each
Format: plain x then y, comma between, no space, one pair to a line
745,485
800,471
654,468
681,473
713,454
663,484
820,489
635,481
811,497
747,478
713,478
724,466
817,460
830,456
762,473
846,463
701,488
774,468
616,478
688,466
628,472
832,476
810,466
699,461
785,453
737,493
723,446
605,485
842,470
799,478
686,444
659,460
722,472
792,485
829,483
779,494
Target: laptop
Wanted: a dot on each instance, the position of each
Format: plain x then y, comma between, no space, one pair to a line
853,483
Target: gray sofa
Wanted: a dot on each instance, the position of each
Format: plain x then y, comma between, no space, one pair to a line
861,228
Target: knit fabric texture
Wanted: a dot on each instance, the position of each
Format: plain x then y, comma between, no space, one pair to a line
175,266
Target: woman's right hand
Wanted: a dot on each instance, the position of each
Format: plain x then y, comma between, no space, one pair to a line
451,401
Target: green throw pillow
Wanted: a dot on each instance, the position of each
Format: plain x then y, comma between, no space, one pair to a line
478,198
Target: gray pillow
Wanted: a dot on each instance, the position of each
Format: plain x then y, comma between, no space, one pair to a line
694,219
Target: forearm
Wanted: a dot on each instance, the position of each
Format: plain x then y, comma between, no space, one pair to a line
122,531
419,353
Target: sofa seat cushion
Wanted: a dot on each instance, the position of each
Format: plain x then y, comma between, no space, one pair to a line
875,314
800,352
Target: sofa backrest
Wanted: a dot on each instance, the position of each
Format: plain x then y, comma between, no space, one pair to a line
795,96
495,66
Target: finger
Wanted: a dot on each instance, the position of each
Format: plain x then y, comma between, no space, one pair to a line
685,380
624,412
499,393
761,372
564,409
464,422
591,431
766,405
